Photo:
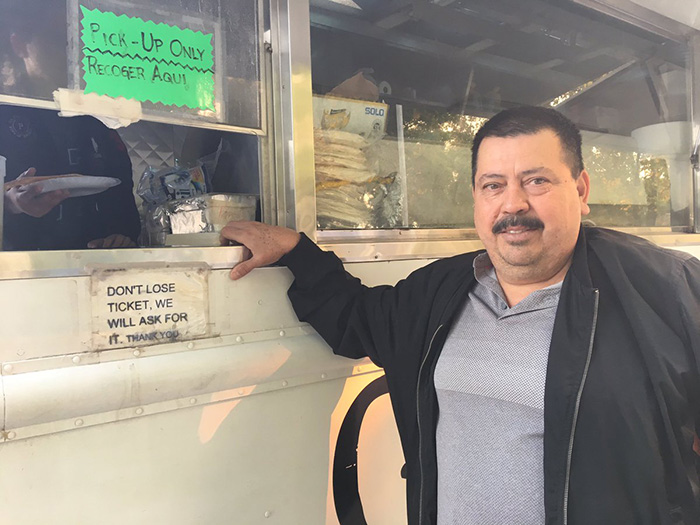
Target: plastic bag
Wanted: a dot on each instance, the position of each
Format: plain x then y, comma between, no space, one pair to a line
171,183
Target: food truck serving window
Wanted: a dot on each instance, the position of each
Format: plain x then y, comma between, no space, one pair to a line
400,89
116,178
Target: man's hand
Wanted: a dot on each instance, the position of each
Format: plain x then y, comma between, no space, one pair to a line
266,244
116,240
30,200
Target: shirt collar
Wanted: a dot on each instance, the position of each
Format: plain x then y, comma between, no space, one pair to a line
485,275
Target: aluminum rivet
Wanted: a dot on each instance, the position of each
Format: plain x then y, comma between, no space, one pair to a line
7,368
284,383
137,353
323,376
241,392
11,435
239,339
190,346
260,302
139,411
193,401
76,359
79,422
20,353
268,513
282,333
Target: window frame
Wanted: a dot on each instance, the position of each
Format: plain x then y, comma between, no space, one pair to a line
73,263
389,244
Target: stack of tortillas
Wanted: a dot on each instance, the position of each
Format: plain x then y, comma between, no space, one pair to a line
342,176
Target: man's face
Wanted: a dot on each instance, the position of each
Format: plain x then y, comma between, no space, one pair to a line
527,206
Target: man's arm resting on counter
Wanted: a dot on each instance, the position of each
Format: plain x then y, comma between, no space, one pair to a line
349,316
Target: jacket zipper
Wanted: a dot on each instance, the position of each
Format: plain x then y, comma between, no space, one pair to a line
567,479
420,432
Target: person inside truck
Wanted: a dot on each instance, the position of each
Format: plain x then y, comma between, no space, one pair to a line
552,377
38,142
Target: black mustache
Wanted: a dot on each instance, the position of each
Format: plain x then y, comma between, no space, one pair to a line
531,223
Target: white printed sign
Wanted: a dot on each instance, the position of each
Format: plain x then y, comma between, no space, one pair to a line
367,119
139,306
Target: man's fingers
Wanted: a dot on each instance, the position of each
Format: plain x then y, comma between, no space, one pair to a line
116,240
242,269
29,173
53,198
40,205
109,242
236,231
32,202
126,242
249,262
31,191
267,243
121,241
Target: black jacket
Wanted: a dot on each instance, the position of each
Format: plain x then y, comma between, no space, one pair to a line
54,145
622,394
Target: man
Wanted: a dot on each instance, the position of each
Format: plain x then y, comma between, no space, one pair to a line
39,142
552,379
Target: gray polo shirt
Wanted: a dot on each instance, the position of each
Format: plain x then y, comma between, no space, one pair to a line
490,388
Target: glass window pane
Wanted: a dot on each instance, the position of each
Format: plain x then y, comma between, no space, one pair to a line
33,42
403,87
39,54
76,183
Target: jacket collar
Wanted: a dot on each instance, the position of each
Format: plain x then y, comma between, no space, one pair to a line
579,264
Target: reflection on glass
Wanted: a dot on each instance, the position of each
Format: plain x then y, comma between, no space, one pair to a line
32,48
631,189
440,68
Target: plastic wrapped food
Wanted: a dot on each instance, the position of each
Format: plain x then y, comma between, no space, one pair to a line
155,225
339,151
168,184
331,161
349,194
187,216
346,174
339,138
160,188
347,206
209,213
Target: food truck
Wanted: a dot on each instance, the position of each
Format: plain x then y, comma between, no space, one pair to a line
139,383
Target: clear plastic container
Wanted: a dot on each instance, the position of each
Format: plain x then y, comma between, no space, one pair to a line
222,208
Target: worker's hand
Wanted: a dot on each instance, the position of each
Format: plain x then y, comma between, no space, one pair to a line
266,243
30,200
116,240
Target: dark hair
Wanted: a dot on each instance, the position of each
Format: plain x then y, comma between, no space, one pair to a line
528,120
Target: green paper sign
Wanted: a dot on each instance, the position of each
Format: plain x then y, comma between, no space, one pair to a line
129,57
